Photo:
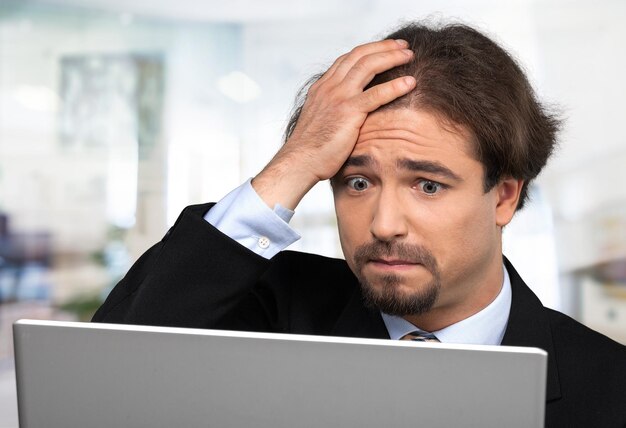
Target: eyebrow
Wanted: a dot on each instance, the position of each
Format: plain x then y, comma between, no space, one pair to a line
407,164
361,160
427,166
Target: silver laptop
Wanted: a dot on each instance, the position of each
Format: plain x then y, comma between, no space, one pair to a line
105,375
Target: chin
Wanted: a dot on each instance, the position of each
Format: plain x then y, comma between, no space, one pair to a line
392,295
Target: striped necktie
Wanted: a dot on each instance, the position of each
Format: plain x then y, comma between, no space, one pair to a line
420,336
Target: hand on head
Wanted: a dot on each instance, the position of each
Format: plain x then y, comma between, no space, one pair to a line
333,113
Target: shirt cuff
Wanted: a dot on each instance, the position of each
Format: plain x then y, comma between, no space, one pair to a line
243,216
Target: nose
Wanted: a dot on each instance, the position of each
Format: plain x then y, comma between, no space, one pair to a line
389,221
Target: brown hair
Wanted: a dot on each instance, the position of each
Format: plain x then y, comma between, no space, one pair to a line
468,80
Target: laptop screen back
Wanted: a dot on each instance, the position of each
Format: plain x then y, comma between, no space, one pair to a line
99,375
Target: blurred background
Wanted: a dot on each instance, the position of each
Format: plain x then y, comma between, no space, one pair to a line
114,115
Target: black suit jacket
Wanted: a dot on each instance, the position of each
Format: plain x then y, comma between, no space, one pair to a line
197,277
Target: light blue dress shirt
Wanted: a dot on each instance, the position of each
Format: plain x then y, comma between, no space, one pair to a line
485,327
243,216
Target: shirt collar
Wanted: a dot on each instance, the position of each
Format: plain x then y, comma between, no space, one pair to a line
483,328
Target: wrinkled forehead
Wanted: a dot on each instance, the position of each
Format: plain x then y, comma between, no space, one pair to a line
408,129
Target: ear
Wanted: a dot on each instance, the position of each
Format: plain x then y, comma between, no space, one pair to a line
507,198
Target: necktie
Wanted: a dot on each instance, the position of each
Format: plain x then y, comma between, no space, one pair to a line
420,336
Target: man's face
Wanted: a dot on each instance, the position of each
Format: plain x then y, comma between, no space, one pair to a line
415,223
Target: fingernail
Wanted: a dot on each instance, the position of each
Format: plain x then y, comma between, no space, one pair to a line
408,52
409,81
402,43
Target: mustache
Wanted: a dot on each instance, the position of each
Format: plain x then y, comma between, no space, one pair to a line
396,250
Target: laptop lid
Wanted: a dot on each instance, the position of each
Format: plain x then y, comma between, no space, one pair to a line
108,375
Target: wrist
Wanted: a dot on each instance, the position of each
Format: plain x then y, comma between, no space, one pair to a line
283,183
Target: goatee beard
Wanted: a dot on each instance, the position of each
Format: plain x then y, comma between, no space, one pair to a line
382,291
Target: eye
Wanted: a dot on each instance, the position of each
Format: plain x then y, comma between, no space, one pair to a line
358,183
430,187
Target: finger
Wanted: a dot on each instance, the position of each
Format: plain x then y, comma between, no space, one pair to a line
345,62
364,70
384,93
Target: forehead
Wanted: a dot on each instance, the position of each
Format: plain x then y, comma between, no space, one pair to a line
404,132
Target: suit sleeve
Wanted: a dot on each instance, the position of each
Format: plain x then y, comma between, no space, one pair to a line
195,277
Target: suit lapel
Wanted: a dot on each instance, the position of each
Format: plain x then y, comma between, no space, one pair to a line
529,325
358,321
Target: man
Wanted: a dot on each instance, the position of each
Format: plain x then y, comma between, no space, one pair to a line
430,139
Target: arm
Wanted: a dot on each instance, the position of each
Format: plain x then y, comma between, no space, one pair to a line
197,275
191,278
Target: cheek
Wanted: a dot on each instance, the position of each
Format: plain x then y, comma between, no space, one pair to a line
473,234
352,226
460,230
